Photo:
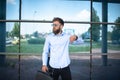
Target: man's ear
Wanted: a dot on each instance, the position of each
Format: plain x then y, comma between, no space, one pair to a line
61,27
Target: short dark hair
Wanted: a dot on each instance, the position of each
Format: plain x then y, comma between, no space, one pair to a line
60,20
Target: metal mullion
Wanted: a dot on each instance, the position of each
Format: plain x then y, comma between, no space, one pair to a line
91,6
19,60
31,54
73,22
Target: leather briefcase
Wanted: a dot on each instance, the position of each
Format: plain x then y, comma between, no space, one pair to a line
43,76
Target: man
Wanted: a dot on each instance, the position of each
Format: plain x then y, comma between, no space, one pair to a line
57,44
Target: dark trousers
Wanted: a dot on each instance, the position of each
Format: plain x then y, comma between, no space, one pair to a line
65,73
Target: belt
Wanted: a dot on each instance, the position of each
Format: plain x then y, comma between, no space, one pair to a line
60,68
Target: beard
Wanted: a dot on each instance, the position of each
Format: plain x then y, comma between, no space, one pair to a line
56,31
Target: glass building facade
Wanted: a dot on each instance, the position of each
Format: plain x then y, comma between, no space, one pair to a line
24,25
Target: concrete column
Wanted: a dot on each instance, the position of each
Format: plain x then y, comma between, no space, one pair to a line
104,31
2,30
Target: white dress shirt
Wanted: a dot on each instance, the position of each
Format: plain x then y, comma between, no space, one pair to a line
58,47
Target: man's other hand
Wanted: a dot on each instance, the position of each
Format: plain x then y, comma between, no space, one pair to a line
44,68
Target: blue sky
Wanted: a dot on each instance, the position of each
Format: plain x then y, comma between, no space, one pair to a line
47,9
69,10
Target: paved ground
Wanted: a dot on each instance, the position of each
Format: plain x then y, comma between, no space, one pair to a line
80,68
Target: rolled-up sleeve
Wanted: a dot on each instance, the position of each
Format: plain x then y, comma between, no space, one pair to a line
46,51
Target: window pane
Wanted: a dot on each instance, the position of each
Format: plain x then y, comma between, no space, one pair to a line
12,37
113,39
82,45
113,12
96,38
12,9
97,12
9,71
113,43
33,37
79,67
109,72
46,10
30,66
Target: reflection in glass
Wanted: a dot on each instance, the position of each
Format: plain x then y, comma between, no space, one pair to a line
83,42
114,38
12,37
113,12
10,70
109,72
96,38
33,36
97,12
12,9
47,10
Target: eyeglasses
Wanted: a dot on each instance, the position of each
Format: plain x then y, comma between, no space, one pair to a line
55,25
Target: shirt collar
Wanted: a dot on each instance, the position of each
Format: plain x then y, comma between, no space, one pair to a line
58,34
